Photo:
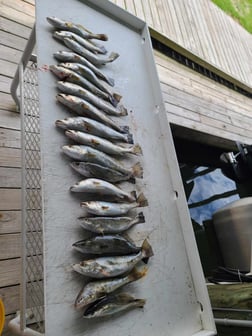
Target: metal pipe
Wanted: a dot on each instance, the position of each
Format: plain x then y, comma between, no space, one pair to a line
234,323
24,60
14,327
22,319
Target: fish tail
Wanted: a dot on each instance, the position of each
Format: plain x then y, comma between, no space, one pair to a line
123,110
102,37
132,180
146,251
113,56
142,201
129,138
124,129
110,81
139,303
112,100
137,170
133,194
117,97
102,50
137,150
137,273
141,218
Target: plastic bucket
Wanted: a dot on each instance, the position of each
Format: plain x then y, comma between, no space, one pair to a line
2,316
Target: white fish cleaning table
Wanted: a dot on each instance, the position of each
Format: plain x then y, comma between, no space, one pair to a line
177,302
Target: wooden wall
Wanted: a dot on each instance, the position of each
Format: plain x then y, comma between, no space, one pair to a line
16,20
202,28
191,100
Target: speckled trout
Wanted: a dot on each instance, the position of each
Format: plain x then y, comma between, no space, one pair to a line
96,289
112,304
107,267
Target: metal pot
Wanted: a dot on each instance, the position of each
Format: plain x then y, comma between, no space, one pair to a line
233,226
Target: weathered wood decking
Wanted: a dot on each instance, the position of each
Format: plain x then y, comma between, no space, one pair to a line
191,100
202,28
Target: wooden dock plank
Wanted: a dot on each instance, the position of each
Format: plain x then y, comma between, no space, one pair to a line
10,221
10,54
9,138
5,83
21,6
17,16
10,177
10,272
13,41
15,28
10,157
10,199
10,120
7,103
8,68
10,245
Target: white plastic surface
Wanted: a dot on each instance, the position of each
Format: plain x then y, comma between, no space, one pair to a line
174,295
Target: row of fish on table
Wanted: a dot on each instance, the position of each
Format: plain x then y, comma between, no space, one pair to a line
101,143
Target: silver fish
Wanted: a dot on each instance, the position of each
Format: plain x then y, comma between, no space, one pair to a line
107,267
60,35
111,175
87,73
75,28
107,245
100,208
84,108
69,56
80,91
97,186
112,304
94,127
105,225
101,144
95,59
73,77
91,155
96,289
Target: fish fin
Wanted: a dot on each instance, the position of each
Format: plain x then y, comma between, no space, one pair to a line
137,150
130,138
117,97
138,273
110,81
123,110
124,129
113,56
133,194
147,251
84,28
137,170
142,201
127,237
124,298
141,218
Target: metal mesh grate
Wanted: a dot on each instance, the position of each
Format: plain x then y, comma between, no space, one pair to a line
33,287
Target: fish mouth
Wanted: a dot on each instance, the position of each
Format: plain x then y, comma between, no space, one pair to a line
59,123
75,164
70,133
